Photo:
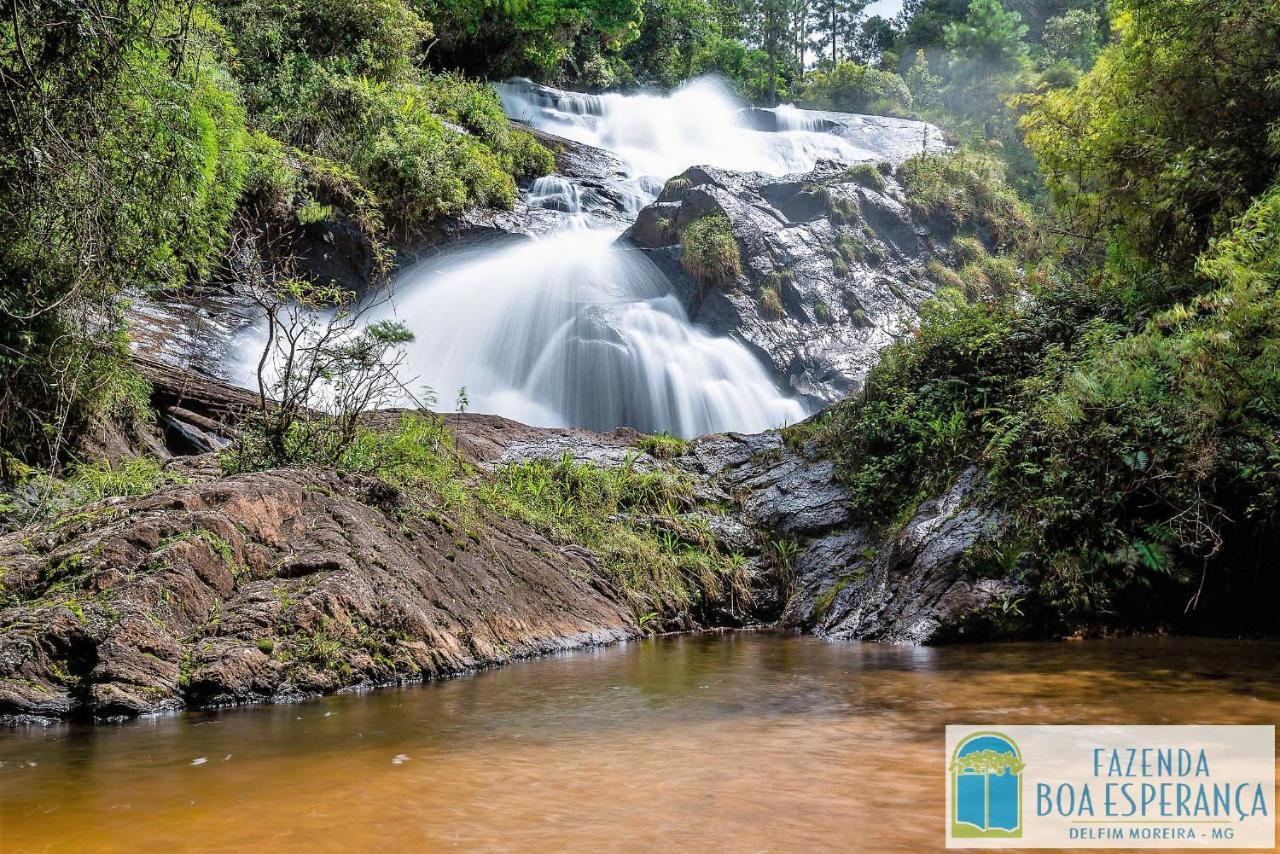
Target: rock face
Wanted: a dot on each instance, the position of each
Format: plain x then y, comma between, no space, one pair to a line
907,586
276,585
833,266
589,186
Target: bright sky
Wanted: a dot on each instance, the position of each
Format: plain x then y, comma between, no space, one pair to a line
884,8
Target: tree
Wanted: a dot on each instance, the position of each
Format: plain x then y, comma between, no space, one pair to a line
324,362
989,36
122,154
1165,141
1073,37
874,38
925,86
836,24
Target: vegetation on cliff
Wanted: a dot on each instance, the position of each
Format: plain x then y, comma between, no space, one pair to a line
1125,405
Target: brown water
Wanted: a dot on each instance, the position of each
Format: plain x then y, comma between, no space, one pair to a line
732,742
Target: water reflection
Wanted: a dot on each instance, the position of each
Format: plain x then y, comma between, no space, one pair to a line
735,739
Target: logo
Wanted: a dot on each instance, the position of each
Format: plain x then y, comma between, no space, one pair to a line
986,787
1110,786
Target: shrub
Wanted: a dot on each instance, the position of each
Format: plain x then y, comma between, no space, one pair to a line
710,251
967,190
853,88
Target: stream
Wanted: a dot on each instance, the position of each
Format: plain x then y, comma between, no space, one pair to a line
687,741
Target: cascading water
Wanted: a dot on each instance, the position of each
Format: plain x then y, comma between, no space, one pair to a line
571,329
662,135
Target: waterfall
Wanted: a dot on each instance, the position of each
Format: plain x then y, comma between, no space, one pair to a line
700,123
571,329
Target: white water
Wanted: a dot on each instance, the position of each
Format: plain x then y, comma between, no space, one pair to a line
572,330
700,123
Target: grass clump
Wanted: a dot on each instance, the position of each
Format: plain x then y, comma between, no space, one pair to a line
662,446
868,175
37,496
771,301
710,251
641,525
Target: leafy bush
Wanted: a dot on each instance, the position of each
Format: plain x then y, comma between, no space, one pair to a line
1145,151
340,81
853,88
710,251
1139,462
967,190
123,160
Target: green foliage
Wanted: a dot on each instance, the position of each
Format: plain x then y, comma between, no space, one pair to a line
710,251
663,446
640,526
1073,37
868,175
122,141
967,190
1132,456
853,88
341,81
771,301
43,497
989,35
546,39
1165,142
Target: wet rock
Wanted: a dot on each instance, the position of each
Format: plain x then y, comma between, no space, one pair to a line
911,586
833,266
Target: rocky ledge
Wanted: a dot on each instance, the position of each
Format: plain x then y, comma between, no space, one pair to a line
282,584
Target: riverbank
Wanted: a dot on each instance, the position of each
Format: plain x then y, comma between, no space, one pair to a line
447,545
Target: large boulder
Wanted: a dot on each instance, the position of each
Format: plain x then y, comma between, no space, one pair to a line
832,266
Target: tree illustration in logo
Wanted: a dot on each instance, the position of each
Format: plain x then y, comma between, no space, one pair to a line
986,787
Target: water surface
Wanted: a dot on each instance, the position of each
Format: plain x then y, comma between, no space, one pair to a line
736,741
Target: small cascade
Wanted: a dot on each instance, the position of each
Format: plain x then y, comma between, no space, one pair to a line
573,330
662,135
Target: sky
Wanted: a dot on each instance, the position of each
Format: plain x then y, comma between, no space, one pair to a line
884,8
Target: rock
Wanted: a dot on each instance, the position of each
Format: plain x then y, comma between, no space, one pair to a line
275,584
839,251
911,587
589,183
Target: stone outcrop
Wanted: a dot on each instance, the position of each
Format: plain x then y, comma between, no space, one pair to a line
848,581
833,266
282,584
275,585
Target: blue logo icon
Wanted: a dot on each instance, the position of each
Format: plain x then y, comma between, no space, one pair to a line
986,787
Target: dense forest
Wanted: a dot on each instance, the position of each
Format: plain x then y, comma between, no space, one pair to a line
1107,354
